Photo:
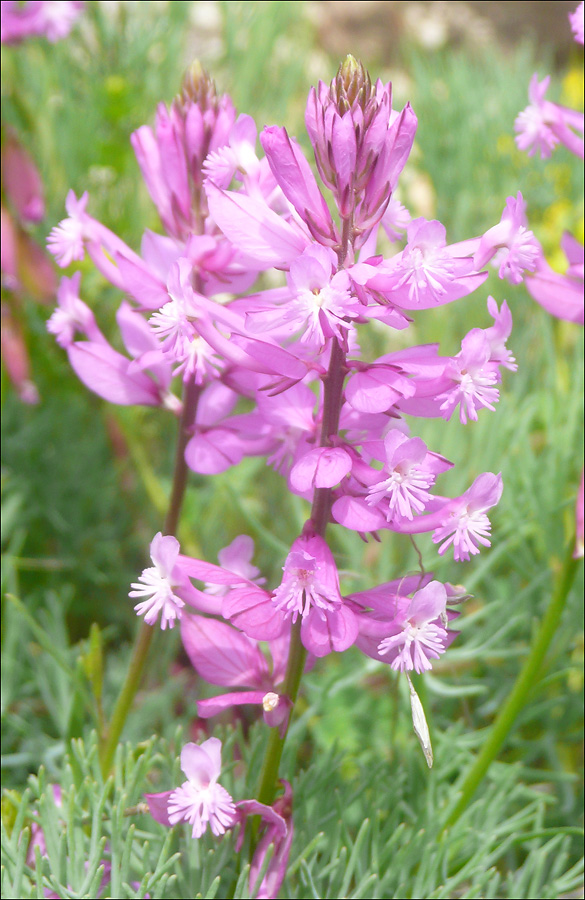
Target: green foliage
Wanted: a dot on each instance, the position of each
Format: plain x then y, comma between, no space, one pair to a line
84,488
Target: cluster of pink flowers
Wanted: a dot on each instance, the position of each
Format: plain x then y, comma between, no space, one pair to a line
52,19
332,423
541,127
25,268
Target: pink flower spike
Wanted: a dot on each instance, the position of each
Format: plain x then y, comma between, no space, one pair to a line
200,801
157,584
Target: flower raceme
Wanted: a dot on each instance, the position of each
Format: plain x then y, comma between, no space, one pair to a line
229,655
542,126
278,372
230,214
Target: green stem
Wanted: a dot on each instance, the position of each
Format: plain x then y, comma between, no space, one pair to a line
110,738
525,682
296,663
320,514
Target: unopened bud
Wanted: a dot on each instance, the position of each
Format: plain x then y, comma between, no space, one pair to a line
198,87
270,701
352,85
456,593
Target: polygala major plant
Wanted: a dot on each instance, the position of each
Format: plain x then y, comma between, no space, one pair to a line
278,373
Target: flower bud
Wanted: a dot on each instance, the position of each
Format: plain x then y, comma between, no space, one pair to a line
360,144
352,86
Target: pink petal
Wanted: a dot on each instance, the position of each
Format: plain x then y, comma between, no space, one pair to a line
140,283
351,512
254,612
215,705
322,467
214,452
105,372
202,763
222,655
264,238
325,631
164,550
157,805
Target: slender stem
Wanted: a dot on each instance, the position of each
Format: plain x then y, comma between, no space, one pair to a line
320,513
525,682
190,399
294,671
146,632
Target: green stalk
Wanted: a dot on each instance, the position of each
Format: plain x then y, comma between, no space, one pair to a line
109,739
320,513
525,682
296,663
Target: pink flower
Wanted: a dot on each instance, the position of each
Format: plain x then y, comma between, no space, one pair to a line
561,295
473,378
165,586
576,20
223,655
72,315
466,524
319,304
428,272
200,801
409,471
514,247
65,241
405,633
542,125
52,18
421,638
310,589
281,842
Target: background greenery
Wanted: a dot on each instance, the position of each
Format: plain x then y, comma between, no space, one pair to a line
84,488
